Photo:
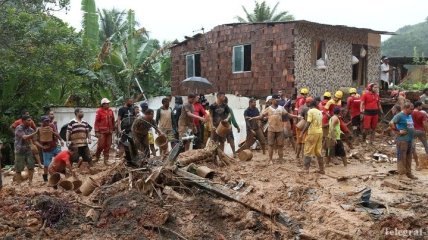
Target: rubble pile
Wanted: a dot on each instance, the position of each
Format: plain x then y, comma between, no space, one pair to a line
204,194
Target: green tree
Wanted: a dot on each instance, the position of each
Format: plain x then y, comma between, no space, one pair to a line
38,55
263,13
129,56
407,38
112,24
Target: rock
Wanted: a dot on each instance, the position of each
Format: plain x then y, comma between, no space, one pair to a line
92,214
132,204
347,207
173,194
32,222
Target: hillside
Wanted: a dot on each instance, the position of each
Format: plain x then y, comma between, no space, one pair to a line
408,37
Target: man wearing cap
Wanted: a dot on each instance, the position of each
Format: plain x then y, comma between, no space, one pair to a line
47,139
104,128
274,114
353,104
384,73
370,108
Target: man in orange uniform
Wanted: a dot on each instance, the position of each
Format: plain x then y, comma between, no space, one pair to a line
370,108
326,98
104,128
332,103
353,103
301,100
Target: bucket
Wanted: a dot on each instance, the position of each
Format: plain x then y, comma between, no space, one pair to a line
245,155
66,185
76,183
205,172
223,129
54,179
24,175
162,142
88,186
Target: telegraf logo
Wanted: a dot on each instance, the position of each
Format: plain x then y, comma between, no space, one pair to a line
419,232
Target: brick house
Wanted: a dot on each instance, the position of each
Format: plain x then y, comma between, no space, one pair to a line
257,59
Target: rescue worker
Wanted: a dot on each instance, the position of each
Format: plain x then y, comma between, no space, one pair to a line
370,108
353,104
300,100
104,128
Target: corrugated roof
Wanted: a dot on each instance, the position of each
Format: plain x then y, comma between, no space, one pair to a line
291,22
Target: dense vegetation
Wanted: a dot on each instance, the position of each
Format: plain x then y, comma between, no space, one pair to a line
407,38
45,62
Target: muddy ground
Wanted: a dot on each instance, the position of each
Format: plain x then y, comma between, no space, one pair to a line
286,203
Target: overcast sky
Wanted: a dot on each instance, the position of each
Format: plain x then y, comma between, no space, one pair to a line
173,19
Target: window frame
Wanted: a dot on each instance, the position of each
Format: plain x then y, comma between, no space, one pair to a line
315,43
242,57
194,65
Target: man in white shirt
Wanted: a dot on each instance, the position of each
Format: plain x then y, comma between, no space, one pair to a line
384,73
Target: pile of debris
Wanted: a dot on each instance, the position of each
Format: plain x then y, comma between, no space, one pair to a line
204,194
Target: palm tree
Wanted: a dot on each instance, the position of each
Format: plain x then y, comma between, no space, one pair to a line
263,13
112,24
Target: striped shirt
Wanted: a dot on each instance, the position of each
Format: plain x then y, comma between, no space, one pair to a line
78,132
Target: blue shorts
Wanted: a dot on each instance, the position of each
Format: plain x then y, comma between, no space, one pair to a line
47,156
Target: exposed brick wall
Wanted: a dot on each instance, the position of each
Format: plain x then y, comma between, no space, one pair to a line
281,57
271,52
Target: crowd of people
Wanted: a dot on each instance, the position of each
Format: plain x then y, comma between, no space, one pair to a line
315,128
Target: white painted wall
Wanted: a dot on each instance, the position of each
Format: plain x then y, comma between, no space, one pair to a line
63,115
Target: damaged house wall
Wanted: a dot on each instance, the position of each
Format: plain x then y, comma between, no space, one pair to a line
338,55
282,57
271,58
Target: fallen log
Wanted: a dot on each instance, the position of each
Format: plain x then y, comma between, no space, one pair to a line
198,155
237,197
